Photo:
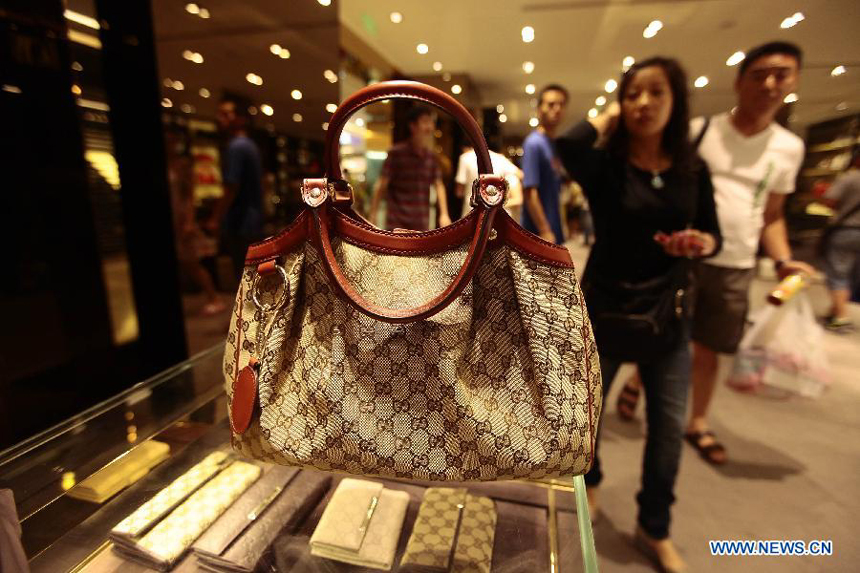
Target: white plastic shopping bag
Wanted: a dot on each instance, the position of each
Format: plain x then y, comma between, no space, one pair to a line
783,351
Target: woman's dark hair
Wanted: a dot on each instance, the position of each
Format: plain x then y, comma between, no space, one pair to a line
676,140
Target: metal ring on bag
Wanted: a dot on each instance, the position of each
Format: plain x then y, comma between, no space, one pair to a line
281,300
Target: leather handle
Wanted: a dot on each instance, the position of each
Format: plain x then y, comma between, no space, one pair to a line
322,219
402,90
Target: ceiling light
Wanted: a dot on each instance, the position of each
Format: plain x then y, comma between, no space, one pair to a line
396,17
168,83
275,49
792,20
192,8
252,110
325,126
296,94
534,122
530,89
77,66
627,63
610,86
324,3
186,108
76,89
165,102
456,89
838,71
652,29
601,100
285,53
359,122
701,82
437,66
195,57
528,34
503,118
254,79
446,77
422,49
11,89
82,19
528,67
791,98
204,13
841,106
297,117
592,113
735,59
178,86
330,76
267,109
331,107
204,93
500,108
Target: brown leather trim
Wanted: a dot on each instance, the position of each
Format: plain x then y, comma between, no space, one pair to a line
406,243
531,245
244,399
275,246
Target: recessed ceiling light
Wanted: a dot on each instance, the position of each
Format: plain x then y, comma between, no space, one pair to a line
502,118
76,89
791,98
528,34
267,109
195,57
186,108
275,49
652,29
446,77
204,93
841,106
178,86
77,66
592,113
252,110
792,20
610,86
838,71
330,76
331,107
437,66
530,89
500,108
168,83
627,63
701,81
601,100
359,122
192,8
324,3
456,89
204,13
297,117
285,54
534,122
296,94
735,59
528,67
165,102
325,126
254,79
422,49
396,17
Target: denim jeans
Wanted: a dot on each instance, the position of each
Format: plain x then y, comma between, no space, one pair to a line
666,381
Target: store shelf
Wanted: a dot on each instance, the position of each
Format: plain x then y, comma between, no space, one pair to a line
815,172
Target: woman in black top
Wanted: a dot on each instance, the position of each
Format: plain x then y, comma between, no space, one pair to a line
653,207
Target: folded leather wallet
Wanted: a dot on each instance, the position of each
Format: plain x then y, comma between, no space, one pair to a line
238,540
121,472
454,531
169,539
144,517
361,524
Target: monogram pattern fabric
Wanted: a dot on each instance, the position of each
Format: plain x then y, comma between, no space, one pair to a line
432,541
474,552
503,383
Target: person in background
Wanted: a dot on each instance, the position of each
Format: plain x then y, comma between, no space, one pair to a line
239,212
542,171
653,207
467,173
841,244
408,176
754,164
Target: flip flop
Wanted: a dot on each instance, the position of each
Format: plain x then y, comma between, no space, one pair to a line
709,452
628,398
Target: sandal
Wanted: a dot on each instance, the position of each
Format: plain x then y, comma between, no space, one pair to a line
714,453
626,404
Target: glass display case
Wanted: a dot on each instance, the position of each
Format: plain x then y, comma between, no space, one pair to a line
147,481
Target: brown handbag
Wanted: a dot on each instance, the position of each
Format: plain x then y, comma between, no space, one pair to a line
462,353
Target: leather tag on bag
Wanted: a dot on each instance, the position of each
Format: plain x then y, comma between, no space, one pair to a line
244,399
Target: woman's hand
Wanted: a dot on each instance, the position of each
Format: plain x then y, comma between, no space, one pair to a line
606,122
687,243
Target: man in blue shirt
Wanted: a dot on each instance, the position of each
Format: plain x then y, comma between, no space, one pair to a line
542,169
239,212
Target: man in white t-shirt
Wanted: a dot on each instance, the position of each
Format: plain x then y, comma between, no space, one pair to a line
467,173
753,163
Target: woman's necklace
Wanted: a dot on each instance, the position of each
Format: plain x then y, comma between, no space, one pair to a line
656,179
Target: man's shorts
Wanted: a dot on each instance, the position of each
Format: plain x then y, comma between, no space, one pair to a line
721,301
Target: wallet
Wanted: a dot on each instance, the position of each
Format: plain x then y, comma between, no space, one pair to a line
361,524
121,472
168,540
239,539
